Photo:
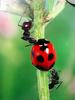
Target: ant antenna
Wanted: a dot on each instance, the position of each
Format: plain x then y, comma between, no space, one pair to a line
19,21
32,17
31,11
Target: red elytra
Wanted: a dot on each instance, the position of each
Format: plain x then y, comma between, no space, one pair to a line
43,55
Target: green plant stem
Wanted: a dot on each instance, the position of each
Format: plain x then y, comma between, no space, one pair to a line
43,88
39,30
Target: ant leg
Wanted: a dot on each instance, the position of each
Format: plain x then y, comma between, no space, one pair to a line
19,21
24,13
31,11
28,45
32,40
59,84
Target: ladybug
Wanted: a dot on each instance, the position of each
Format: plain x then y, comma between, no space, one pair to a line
43,55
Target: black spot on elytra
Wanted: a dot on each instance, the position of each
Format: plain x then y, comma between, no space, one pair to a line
40,58
50,56
43,48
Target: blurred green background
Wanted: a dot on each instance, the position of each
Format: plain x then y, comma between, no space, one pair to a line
18,79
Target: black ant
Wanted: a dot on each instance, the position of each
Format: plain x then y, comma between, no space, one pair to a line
26,34
54,79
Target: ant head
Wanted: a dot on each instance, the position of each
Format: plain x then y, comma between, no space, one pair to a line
27,25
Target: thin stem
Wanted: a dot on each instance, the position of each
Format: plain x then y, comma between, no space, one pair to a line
39,30
43,85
